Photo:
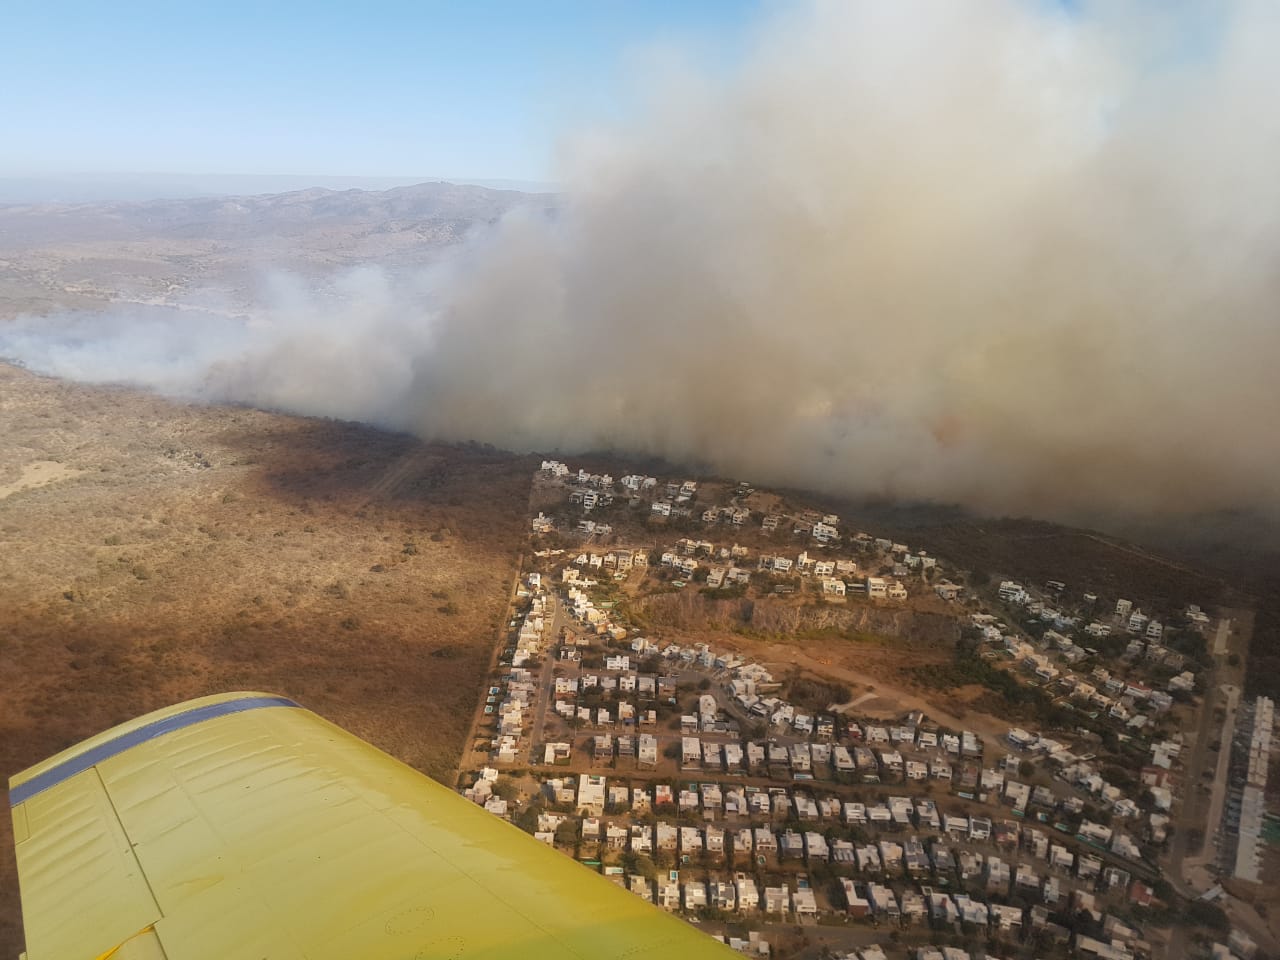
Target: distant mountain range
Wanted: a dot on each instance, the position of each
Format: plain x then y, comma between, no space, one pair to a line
221,217
119,187
83,255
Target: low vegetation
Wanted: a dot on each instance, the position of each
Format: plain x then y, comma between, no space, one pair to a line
1014,698
139,582
814,694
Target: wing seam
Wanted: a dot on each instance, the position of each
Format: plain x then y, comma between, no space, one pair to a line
132,852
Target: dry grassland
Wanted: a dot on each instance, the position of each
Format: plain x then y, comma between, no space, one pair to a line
181,550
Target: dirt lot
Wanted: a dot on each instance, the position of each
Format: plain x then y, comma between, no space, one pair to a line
183,550
877,672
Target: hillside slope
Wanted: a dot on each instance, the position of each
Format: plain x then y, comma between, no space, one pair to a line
151,552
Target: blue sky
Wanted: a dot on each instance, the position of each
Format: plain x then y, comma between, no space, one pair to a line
463,89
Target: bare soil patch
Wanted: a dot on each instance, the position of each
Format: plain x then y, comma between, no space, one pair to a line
36,474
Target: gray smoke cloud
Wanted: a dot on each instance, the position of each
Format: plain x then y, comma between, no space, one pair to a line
996,253
345,347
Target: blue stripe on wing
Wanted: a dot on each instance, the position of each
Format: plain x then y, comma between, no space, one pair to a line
105,751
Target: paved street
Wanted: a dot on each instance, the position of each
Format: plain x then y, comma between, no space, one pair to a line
557,621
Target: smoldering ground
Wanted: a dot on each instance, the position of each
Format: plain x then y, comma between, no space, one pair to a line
1014,255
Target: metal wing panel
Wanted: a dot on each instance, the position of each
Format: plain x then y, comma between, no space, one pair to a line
83,889
272,833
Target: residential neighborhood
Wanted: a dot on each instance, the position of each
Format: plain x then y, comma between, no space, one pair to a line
706,782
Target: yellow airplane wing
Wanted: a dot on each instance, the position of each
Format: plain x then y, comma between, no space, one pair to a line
243,826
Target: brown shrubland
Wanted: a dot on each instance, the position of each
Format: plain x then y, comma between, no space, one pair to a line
204,549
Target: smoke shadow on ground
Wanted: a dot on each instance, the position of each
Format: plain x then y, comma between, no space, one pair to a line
354,463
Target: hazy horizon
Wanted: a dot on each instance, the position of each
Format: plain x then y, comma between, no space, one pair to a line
92,187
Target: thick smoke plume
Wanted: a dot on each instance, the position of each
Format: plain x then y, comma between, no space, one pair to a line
1000,253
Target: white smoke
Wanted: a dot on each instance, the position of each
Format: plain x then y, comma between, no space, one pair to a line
989,252
344,348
